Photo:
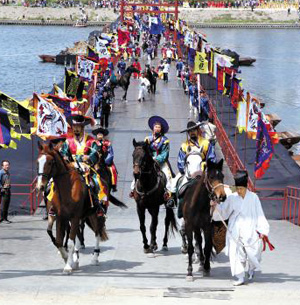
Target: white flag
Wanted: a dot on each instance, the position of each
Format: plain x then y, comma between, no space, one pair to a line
85,67
51,121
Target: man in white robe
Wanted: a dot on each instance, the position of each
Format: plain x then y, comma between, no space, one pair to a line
246,227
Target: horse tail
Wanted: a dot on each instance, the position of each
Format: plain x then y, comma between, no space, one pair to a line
117,202
103,232
171,218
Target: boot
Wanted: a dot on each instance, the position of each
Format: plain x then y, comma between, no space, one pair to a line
171,203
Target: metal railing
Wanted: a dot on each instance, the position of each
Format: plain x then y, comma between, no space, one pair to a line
32,197
291,207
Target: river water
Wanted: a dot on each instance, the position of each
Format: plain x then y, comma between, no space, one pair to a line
274,78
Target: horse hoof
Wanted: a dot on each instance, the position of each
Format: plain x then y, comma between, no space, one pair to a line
75,266
206,273
184,250
196,261
189,278
82,246
67,270
154,248
148,250
150,255
126,101
165,248
95,263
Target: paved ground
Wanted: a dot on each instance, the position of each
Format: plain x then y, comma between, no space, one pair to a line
31,269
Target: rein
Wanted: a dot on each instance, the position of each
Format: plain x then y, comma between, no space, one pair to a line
143,194
211,189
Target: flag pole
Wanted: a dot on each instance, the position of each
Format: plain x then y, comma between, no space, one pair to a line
199,90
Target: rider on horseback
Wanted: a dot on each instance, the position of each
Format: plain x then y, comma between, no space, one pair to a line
159,148
106,152
81,149
121,66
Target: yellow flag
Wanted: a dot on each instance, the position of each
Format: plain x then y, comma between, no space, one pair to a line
201,64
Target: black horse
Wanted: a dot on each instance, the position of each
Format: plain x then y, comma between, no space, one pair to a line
152,79
196,212
123,81
149,189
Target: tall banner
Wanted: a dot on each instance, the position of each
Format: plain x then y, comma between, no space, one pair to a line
264,149
201,64
50,120
85,68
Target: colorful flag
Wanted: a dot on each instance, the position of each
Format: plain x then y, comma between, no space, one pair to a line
5,129
123,37
85,68
50,120
73,86
220,78
241,115
18,115
65,104
264,149
92,54
201,64
58,91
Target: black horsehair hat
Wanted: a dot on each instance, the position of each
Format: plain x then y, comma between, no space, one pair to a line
104,131
79,119
191,125
241,178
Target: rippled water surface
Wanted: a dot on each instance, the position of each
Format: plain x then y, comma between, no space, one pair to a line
275,78
22,71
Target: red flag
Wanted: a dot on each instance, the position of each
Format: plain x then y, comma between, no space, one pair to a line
220,78
123,37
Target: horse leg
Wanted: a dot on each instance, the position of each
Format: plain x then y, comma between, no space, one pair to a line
95,259
73,232
51,220
81,234
141,214
169,220
199,250
67,235
125,95
75,265
207,250
60,234
184,246
153,228
189,235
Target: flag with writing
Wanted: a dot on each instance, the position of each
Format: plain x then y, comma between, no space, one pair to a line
201,64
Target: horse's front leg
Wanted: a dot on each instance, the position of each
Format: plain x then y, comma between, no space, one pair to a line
125,95
199,249
51,220
153,227
95,259
141,214
60,234
189,235
207,249
73,233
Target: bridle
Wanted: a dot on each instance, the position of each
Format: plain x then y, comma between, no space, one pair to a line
49,175
211,189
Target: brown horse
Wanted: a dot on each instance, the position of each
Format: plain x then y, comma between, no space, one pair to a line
196,213
71,203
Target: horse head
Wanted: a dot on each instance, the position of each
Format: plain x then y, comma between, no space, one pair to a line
47,165
214,181
193,165
141,158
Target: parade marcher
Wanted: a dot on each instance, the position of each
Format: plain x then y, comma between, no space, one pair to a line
136,65
5,193
121,66
194,98
143,87
169,55
80,149
160,69
247,229
159,146
204,106
105,108
179,67
105,149
166,70
194,143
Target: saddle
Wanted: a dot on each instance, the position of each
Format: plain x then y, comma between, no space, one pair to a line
181,188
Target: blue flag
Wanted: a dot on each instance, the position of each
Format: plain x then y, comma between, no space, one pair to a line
264,149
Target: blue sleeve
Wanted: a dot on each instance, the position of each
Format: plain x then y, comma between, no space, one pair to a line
164,155
110,156
181,161
211,153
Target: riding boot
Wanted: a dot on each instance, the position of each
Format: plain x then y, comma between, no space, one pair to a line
172,202
101,208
